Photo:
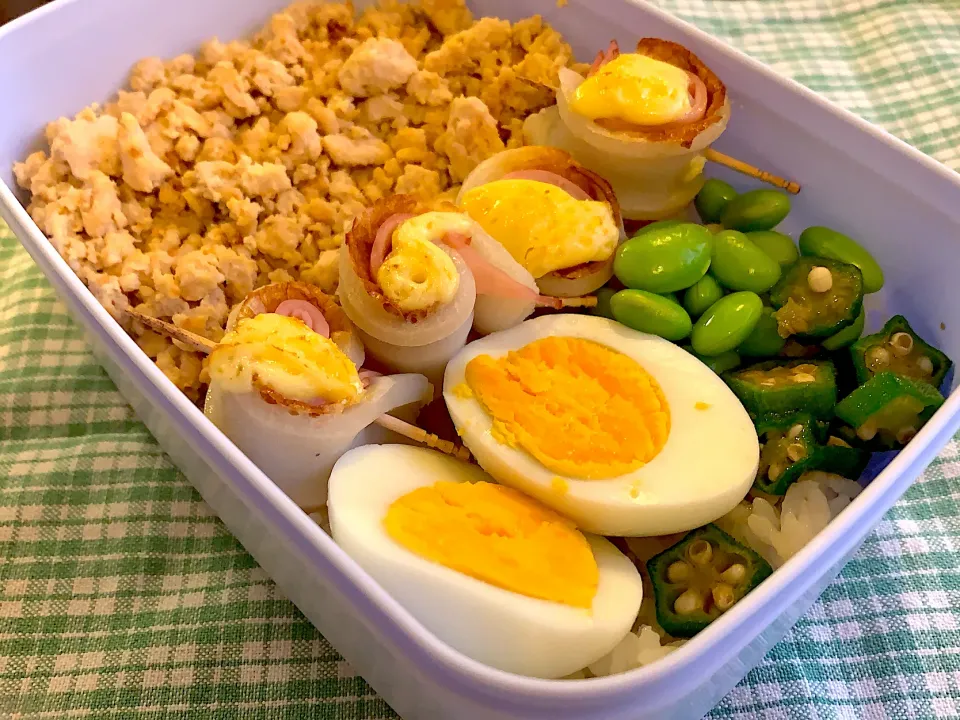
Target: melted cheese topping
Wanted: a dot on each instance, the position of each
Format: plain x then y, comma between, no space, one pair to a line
417,274
285,355
634,88
497,535
580,408
542,226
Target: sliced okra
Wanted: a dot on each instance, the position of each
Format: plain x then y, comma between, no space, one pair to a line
780,387
816,298
889,408
900,350
700,578
786,454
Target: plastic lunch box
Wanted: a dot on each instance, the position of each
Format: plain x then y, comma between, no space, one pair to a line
58,59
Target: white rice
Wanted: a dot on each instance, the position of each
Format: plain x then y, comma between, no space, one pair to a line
775,528
778,533
637,649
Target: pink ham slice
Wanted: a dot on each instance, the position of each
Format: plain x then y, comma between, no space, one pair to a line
698,103
491,280
307,312
381,243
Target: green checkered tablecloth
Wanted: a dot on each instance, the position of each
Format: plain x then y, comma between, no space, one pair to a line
122,596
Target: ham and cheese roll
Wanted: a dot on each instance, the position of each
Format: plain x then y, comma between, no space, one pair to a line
287,387
642,120
410,296
558,220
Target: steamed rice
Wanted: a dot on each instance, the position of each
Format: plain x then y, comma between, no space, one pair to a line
775,528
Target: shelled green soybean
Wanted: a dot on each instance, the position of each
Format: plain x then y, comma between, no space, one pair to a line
771,316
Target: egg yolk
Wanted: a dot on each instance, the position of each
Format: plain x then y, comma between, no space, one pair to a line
541,225
285,355
580,408
417,274
634,88
498,535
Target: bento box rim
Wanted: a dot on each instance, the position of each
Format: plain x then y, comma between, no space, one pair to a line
460,672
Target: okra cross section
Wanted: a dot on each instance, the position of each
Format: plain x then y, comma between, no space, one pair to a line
900,350
817,297
889,407
789,450
700,578
783,387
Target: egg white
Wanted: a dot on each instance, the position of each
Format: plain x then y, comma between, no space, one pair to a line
705,468
503,629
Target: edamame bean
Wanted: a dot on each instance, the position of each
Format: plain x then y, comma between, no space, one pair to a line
701,295
756,210
651,313
848,335
658,225
740,265
720,363
780,247
726,324
664,260
602,308
712,199
824,242
764,341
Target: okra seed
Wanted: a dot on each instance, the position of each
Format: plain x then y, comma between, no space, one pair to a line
678,571
701,552
723,596
795,451
819,279
925,364
878,357
775,471
688,603
734,574
901,343
803,378
906,434
795,432
867,431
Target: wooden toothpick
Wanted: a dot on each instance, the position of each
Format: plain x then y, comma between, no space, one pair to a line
388,422
714,156
746,169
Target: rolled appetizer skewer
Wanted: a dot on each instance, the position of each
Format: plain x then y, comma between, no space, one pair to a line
317,310
559,222
642,120
285,390
410,297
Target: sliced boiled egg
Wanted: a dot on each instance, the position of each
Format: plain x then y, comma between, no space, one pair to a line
625,433
487,569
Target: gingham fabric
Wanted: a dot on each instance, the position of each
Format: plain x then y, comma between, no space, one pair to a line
121,595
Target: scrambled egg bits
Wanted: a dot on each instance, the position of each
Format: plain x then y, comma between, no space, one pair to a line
241,165
542,226
636,88
418,274
283,354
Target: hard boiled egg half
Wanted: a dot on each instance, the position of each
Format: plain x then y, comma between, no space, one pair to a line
487,569
625,433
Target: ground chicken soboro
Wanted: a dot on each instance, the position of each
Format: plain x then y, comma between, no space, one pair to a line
242,165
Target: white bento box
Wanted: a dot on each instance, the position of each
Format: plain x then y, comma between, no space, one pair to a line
903,205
